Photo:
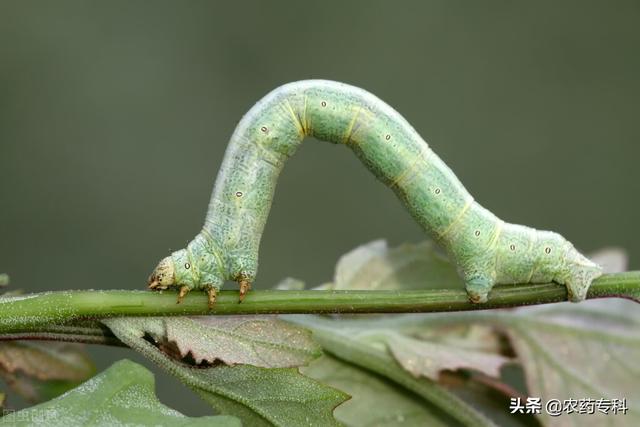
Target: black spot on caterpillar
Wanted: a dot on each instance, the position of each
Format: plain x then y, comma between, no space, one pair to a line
486,249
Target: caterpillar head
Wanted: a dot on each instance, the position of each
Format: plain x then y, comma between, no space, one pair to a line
163,276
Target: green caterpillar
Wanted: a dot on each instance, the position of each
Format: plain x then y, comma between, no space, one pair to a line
486,250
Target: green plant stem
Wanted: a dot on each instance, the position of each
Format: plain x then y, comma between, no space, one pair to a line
87,332
34,311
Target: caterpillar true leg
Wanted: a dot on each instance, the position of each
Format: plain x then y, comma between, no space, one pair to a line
212,293
245,287
486,249
184,290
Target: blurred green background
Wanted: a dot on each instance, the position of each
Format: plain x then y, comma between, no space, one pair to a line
114,117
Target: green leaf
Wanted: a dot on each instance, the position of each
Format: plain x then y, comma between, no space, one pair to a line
365,347
4,279
375,401
567,351
121,395
408,266
574,351
259,396
39,371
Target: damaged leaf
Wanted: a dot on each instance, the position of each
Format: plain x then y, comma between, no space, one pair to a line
428,359
258,396
263,341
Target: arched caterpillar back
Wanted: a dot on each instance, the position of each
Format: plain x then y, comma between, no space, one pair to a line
486,249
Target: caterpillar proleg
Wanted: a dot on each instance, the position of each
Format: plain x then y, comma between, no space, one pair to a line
486,250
